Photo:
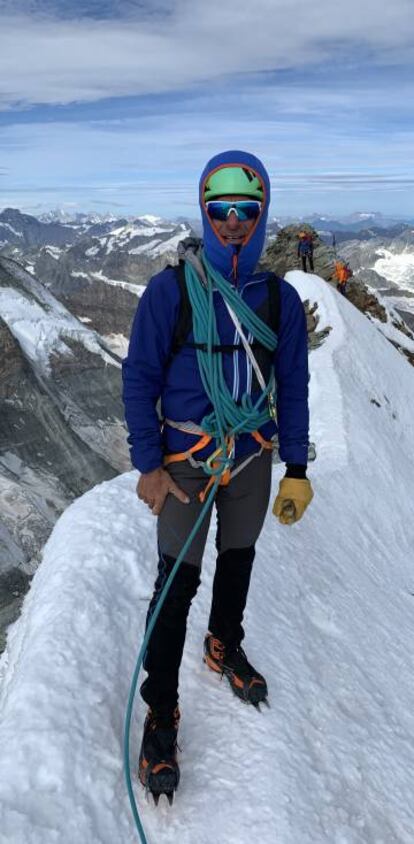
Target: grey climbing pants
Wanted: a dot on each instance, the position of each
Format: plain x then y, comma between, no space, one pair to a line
241,509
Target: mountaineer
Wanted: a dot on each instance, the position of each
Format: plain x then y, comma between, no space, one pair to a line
305,250
342,274
216,349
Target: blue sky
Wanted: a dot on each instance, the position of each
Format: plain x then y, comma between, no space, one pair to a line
117,104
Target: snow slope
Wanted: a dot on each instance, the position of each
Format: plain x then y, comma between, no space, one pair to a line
396,267
330,622
40,322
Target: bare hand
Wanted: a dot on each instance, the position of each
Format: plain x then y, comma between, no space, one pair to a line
153,488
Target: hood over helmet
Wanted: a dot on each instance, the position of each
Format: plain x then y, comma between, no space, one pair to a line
220,254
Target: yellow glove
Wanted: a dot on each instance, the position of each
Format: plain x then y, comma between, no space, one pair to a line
292,500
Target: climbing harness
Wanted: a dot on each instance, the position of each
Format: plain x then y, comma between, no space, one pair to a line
205,439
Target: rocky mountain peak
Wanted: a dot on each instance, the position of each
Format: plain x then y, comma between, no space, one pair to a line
281,256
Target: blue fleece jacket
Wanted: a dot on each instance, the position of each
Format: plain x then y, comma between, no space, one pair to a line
156,384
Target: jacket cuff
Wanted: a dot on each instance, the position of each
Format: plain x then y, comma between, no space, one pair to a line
146,465
295,470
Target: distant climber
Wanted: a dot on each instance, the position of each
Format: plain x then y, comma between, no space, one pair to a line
342,274
305,250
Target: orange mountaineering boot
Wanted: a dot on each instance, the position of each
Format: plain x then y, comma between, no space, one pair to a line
244,680
158,768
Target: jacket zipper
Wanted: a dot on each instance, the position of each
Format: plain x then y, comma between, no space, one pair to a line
235,262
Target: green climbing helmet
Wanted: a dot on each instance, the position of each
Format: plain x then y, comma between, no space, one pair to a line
233,180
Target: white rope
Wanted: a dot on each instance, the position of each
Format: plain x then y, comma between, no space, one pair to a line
247,347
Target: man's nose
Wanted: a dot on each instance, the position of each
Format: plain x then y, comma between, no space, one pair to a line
233,220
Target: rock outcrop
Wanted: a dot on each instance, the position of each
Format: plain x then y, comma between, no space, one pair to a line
281,256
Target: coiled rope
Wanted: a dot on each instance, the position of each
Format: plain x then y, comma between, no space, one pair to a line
226,420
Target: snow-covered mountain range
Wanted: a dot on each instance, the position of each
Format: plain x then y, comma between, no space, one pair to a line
61,428
24,231
330,622
144,239
95,266
73,253
386,264
64,215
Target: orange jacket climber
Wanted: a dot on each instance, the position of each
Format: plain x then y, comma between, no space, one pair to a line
342,273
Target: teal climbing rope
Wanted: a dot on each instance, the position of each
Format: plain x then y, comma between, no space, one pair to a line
228,417
140,659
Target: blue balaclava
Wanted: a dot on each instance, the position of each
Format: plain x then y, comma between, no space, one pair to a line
220,254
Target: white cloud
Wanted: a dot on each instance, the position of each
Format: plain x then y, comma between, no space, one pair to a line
51,61
149,168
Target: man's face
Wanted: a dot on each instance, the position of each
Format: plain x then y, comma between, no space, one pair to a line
233,230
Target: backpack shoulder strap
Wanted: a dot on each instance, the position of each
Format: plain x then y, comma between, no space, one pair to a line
184,322
273,286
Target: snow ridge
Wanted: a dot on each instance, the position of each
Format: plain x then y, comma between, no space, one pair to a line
330,622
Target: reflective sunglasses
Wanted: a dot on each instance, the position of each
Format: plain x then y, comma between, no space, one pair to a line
245,209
